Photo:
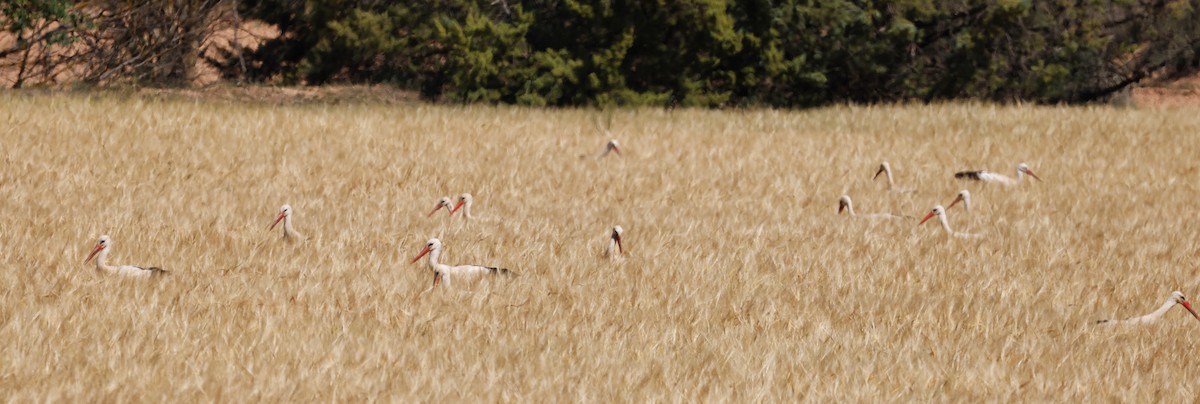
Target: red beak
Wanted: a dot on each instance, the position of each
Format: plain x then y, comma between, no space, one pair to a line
276,221
841,207
956,200
437,278
617,149
878,172
1188,306
422,254
435,209
619,247
458,205
1031,174
100,247
926,218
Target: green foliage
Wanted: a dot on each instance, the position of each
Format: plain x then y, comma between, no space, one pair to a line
711,53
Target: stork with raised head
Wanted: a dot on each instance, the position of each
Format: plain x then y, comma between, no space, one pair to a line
289,232
615,250
446,272
100,252
963,196
846,205
991,177
443,202
940,212
1176,298
464,202
886,169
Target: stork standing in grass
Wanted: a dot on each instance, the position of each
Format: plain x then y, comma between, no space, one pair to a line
615,250
1176,298
940,212
846,205
443,272
991,177
100,252
963,196
289,232
886,169
443,202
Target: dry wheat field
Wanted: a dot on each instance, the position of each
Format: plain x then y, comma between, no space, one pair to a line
741,282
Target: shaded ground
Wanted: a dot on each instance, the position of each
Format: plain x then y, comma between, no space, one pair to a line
208,85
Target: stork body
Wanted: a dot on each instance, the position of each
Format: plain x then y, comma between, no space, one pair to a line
1176,298
846,205
443,272
991,177
100,252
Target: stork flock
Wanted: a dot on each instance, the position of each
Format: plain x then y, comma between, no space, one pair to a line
964,196
445,274
845,205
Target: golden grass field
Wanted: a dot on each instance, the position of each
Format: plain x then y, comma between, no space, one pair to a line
742,283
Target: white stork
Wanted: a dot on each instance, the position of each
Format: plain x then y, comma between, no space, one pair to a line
846,205
885,168
1176,298
940,212
289,232
963,196
443,202
103,246
990,177
615,250
442,271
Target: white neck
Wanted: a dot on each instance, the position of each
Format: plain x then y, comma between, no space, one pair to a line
613,250
101,265
888,172
850,208
467,210
289,232
435,265
438,267
1020,175
1158,313
945,224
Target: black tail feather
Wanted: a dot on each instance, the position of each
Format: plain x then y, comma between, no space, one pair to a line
967,175
501,271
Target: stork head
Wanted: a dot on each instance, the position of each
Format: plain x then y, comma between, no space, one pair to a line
443,202
285,211
103,243
938,211
843,203
883,168
464,199
963,196
616,236
1024,169
1178,298
431,246
613,146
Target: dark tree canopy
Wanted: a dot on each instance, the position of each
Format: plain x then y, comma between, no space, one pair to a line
788,53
